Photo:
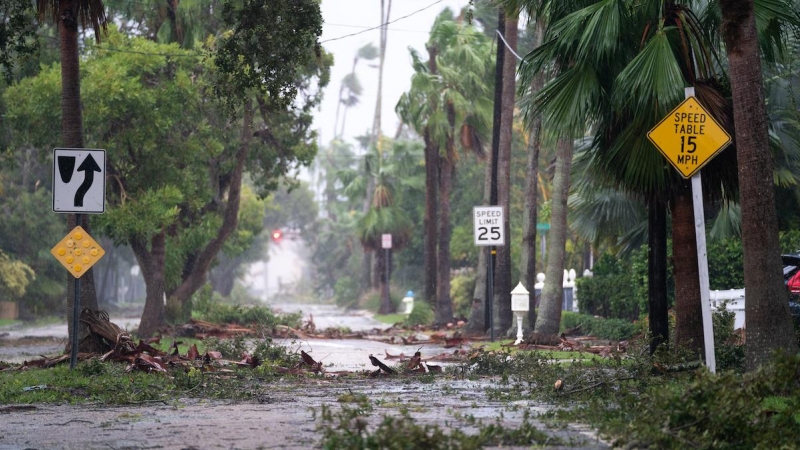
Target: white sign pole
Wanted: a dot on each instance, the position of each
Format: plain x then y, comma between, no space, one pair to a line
702,262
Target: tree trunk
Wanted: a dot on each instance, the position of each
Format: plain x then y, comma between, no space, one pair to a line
72,137
431,221
444,304
502,286
381,265
548,320
178,302
768,321
688,309
657,272
527,257
151,263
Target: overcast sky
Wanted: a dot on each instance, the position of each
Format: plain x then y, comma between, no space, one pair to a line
344,17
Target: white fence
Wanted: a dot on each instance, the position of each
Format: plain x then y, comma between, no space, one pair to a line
733,299
570,299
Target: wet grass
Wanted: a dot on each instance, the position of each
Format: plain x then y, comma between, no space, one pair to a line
390,319
8,322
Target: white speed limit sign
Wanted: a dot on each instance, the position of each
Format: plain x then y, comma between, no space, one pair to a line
488,225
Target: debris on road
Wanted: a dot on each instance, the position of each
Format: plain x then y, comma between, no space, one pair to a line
116,345
555,342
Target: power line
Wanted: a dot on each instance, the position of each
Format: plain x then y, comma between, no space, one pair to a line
383,24
369,28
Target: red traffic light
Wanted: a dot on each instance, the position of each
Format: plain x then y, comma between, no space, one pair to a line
277,235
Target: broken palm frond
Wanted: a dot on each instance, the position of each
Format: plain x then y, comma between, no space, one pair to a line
381,366
547,343
201,329
415,362
192,353
147,363
101,334
401,357
309,325
307,360
250,360
434,369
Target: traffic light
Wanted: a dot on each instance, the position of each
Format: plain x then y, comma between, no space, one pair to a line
277,235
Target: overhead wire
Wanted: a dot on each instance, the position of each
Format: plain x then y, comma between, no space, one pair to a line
383,24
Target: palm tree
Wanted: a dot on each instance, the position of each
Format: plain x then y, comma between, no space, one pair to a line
388,169
548,320
352,87
67,15
502,286
769,326
448,105
626,67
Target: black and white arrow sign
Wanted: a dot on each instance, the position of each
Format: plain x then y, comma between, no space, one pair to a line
81,190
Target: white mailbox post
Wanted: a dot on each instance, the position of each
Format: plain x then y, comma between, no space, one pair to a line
519,305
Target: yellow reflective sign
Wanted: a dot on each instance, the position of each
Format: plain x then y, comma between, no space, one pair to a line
78,252
689,137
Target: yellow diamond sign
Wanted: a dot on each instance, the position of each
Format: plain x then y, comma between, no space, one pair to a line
78,251
689,137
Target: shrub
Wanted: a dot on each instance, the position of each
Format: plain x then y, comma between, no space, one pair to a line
601,294
209,307
613,329
371,301
461,289
725,264
728,350
422,314
790,241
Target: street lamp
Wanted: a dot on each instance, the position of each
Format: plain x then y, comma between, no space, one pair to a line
519,305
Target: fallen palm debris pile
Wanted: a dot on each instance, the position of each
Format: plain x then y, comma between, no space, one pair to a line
555,342
109,343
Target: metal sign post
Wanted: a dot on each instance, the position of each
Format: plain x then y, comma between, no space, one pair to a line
86,194
76,320
386,243
488,227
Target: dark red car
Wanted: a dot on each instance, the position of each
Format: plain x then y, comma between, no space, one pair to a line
791,274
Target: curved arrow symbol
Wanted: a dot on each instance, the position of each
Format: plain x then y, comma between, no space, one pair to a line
89,167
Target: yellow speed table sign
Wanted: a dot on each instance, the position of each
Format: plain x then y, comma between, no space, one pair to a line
689,137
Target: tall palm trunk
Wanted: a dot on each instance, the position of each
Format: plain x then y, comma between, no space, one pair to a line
766,310
548,320
527,257
502,286
431,221
431,218
72,137
657,271
688,308
444,304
